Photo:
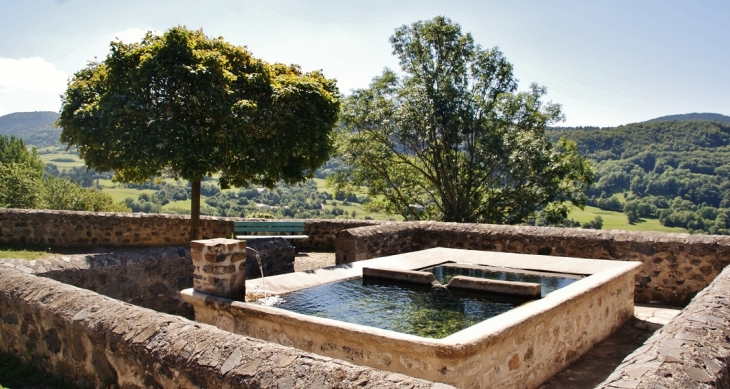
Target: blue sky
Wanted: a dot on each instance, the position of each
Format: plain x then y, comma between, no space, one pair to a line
607,62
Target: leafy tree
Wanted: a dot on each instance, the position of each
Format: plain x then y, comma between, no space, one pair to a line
595,224
193,106
13,150
20,186
451,139
21,172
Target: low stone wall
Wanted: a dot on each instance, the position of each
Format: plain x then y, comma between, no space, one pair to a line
323,232
150,278
692,351
95,341
46,228
676,266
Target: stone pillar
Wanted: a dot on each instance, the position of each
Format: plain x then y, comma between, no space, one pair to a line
220,267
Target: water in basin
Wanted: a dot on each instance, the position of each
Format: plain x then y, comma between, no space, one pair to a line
423,311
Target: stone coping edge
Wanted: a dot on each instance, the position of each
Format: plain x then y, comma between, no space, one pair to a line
691,351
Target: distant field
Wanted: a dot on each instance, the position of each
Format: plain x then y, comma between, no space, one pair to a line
321,185
49,158
119,194
360,213
618,221
182,204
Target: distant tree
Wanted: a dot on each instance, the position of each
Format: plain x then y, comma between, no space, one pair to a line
595,224
632,216
451,136
193,106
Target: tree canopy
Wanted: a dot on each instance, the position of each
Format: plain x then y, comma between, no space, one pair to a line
21,172
192,106
450,138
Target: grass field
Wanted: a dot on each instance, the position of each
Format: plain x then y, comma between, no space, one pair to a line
182,204
322,185
360,213
119,194
22,253
49,158
618,221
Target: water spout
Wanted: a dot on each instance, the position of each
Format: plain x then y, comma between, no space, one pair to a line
273,300
261,268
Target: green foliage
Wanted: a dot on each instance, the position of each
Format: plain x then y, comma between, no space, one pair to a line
13,150
192,106
59,193
675,171
20,174
624,142
20,186
450,139
595,224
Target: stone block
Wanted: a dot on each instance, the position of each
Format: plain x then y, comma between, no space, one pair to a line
216,269
512,288
409,276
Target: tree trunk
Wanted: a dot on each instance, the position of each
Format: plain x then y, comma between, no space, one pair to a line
195,210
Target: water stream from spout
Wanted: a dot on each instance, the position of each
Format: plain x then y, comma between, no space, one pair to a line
261,269
273,300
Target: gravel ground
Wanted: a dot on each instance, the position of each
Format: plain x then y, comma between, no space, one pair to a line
313,260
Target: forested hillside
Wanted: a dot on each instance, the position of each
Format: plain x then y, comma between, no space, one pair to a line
713,117
35,128
675,170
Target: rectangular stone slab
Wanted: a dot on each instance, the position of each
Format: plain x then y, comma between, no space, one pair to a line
408,276
511,288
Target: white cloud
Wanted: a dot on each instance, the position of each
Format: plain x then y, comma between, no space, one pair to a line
133,35
30,84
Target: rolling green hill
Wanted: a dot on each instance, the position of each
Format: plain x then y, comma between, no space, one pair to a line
677,172
36,128
713,117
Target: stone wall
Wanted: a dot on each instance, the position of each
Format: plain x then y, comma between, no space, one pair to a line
150,278
95,341
46,228
692,351
323,232
676,266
